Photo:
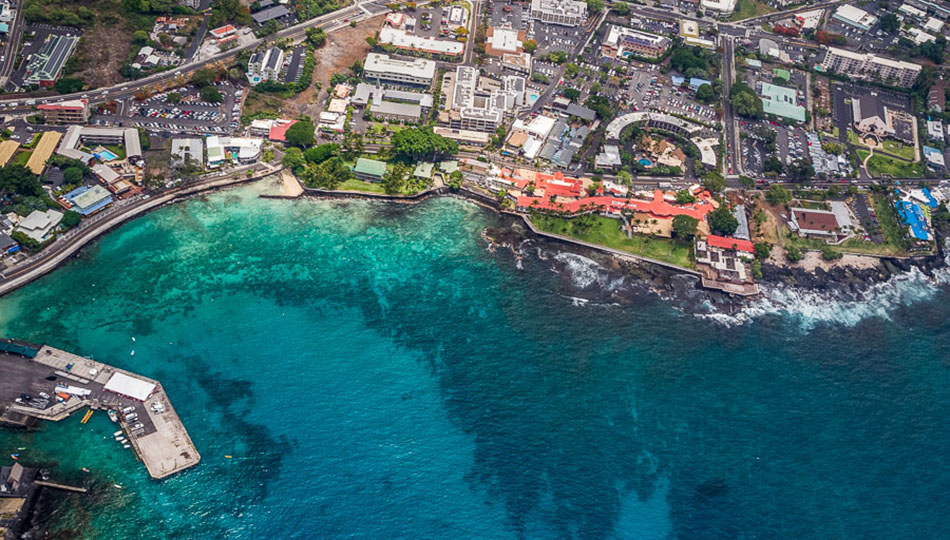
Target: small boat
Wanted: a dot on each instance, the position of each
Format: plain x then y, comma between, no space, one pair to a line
113,416
117,486
133,353
227,456
133,339
126,446
121,440
15,456
85,469
117,433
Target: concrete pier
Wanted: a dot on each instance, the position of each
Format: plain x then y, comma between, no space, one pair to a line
161,441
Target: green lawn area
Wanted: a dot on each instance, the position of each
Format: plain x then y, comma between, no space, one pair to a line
880,165
606,232
899,150
116,149
862,154
854,138
814,205
887,217
359,185
750,8
21,158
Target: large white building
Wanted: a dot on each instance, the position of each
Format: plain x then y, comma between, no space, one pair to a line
856,17
479,109
621,42
242,150
719,8
265,66
563,12
869,66
384,68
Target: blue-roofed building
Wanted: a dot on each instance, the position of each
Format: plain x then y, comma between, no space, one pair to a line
89,200
677,80
912,215
695,83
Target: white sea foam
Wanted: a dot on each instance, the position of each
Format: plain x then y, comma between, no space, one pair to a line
585,272
811,308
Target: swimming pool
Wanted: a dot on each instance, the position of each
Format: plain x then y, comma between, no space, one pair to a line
532,98
105,155
645,162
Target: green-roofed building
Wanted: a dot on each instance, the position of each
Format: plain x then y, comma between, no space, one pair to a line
781,101
449,167
423,170
782,74
369,169
753,63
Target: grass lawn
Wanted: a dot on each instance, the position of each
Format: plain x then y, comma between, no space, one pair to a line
815,205
359,185
750,8
887,217
116,149
899,150
862,154
855,139
21,158
880,165
606,232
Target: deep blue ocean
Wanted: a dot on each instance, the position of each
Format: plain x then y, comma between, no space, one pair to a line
377,372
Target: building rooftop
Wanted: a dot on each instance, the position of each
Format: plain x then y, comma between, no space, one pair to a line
370,167
381,63
270,13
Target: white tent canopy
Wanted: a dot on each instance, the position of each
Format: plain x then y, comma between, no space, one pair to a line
124,385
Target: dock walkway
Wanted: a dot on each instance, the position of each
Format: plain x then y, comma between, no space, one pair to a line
162,444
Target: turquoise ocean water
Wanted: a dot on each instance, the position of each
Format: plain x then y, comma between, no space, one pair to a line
377,373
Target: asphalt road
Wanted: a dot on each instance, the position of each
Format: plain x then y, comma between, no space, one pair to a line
10,49
128,89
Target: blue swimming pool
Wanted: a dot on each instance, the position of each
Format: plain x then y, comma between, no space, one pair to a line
645,162
105,155
532,98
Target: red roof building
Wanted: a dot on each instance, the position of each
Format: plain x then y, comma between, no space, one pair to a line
658,206
278,131
722,242
75,111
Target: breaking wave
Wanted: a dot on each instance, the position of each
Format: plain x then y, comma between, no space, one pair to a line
811,308
585,273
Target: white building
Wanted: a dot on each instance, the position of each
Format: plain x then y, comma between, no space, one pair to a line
563,12
869,66
719,8
474,107
935,130
402,39
40,225
187,150
852,16
265,66
384,68
240,150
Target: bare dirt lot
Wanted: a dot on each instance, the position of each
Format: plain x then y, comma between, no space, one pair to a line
342,49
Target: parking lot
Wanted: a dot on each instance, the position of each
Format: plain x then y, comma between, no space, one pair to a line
553,37
189,115
514,17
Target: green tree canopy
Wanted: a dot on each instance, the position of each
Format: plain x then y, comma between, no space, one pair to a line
713,181
293,159
414,144
319,154
721,221
684,227
72,175
300,134
778,195
210,94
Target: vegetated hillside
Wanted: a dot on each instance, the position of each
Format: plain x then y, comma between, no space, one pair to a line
107,27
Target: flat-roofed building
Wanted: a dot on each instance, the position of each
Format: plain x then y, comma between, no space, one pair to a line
75,111
472,109
382,67
241,150
870,115
855,17
271,13
562,12
782,102
869,66
45,66
401,39
502,41
622,42
937,8
719,8
186,151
